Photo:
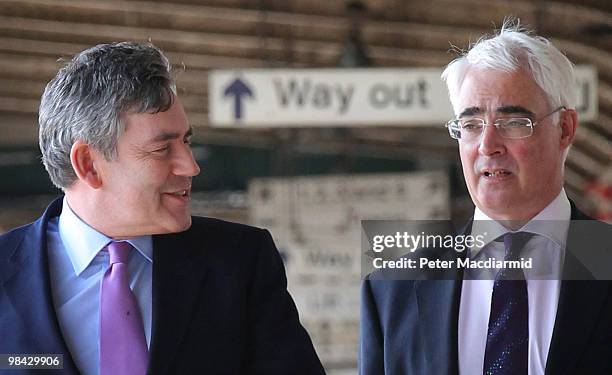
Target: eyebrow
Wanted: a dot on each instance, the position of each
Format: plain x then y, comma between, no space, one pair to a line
166,136
506,110
471,111
514,109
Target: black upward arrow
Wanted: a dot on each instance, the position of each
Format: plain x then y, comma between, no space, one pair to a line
238,89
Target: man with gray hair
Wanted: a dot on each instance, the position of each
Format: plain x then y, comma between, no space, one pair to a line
116,277
513,96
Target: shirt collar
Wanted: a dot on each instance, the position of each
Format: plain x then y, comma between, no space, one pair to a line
552,222
83,243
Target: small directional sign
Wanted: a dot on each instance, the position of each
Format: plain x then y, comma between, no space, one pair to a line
238,89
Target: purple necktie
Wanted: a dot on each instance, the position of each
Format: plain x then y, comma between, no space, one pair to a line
507,349
123,348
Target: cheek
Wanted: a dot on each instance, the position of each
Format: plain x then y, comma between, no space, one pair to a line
468,157
139,189
149,177
533,162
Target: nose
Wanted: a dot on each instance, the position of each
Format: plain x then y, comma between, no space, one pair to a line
491,143
185,164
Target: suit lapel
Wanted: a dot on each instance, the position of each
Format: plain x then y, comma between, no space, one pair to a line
579,308
178,273
28,288
438,304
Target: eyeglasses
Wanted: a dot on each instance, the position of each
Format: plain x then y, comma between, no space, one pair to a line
469,129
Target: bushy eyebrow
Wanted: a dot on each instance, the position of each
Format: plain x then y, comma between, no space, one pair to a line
505,110
166,136
514,109
471,111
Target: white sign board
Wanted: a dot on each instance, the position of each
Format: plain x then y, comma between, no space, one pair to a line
345,97
315,222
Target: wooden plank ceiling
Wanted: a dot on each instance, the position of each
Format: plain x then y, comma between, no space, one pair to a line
198,35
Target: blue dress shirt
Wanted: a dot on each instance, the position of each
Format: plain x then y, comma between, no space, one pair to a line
77,265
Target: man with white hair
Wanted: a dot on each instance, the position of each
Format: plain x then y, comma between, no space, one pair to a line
513,96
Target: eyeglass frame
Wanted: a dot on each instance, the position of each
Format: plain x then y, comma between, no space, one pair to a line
456,127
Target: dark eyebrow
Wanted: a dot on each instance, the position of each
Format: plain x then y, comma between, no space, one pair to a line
471,111
165,136
506,110
514,109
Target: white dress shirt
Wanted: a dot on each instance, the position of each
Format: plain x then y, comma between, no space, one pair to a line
77,265
543,286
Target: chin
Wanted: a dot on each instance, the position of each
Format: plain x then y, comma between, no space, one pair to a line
173,225
182,225
186,224
497,205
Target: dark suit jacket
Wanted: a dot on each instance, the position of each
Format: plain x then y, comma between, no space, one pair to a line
411,326
220,304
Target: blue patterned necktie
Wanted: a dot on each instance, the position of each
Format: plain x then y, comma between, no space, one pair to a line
507,347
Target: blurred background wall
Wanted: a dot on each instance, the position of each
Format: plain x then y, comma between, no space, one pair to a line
200,35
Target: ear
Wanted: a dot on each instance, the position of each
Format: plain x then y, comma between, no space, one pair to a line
569,124
83,159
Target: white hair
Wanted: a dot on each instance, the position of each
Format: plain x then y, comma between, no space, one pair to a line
513,49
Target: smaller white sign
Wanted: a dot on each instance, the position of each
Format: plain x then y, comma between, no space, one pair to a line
587,104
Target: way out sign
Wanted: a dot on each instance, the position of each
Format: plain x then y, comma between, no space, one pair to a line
321,97
345,97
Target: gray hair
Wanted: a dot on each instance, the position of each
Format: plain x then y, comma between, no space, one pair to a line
86,98
512,49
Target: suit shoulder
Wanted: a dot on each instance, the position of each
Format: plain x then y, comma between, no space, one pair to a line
11,239
217,230
240,242
222,227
